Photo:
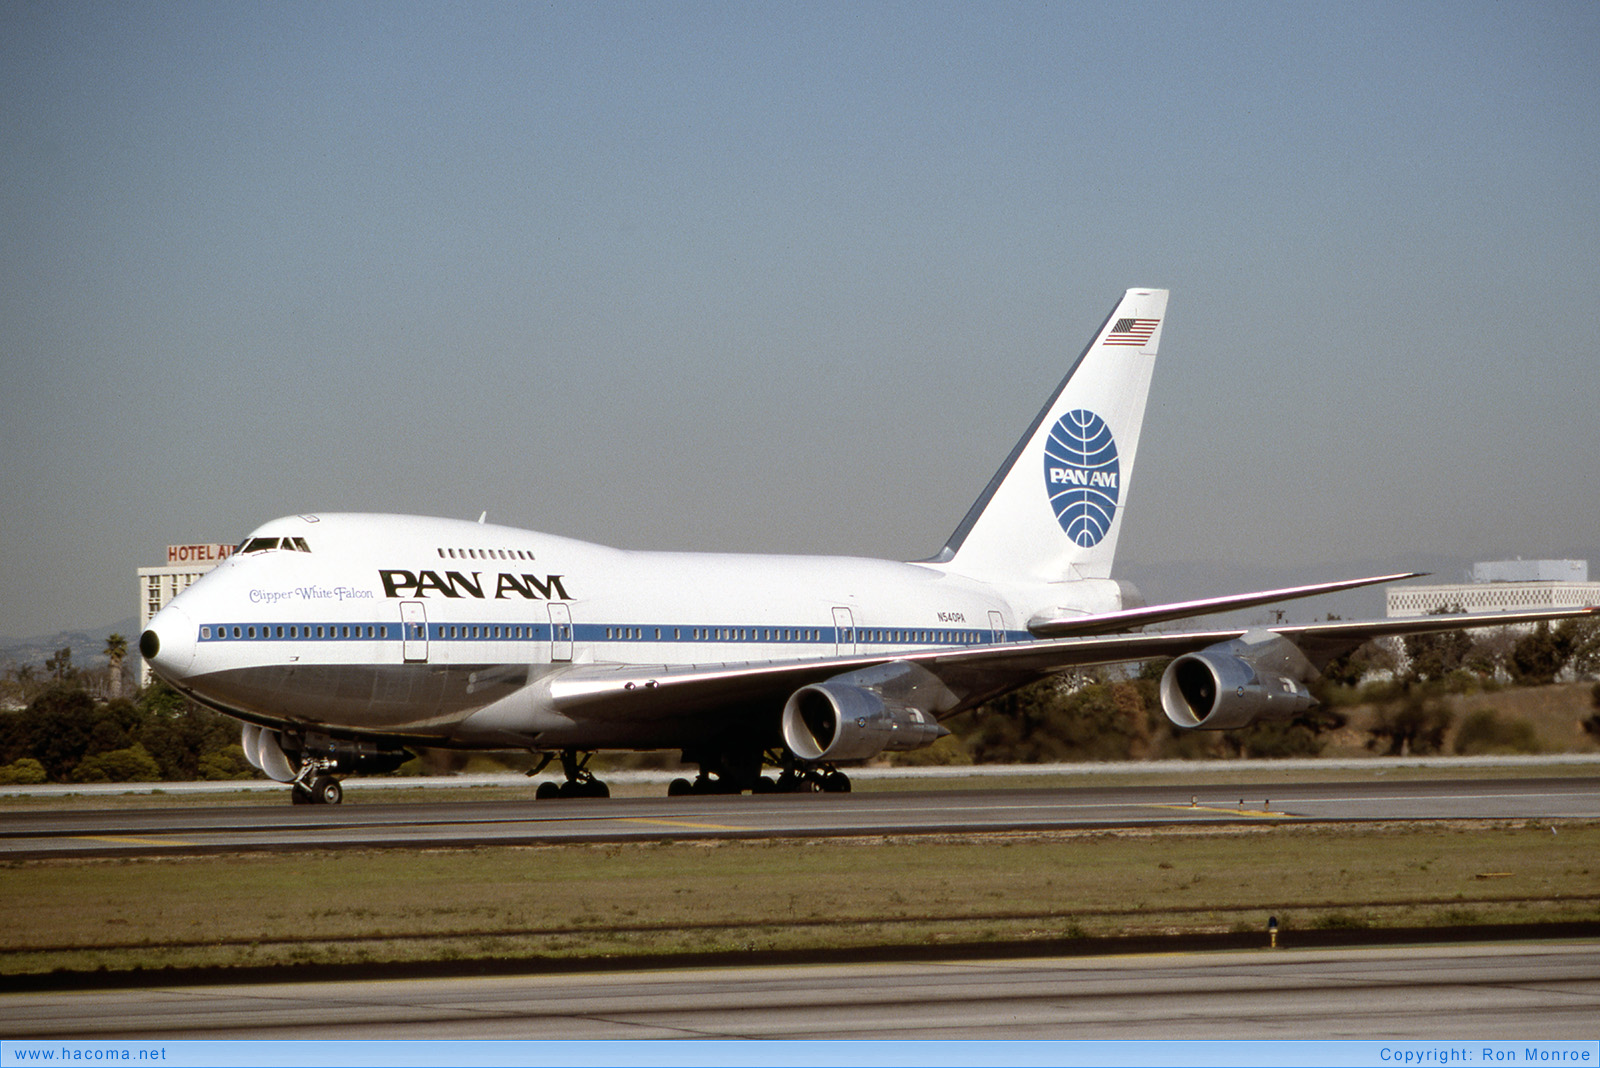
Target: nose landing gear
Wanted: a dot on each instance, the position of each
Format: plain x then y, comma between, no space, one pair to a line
321,790
313,785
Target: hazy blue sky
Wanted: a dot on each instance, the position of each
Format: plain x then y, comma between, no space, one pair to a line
790,277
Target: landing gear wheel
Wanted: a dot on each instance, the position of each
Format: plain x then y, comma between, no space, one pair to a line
300,796
680,788
580,781
836,782
326,790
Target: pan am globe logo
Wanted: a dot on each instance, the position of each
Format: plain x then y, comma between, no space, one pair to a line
1082,476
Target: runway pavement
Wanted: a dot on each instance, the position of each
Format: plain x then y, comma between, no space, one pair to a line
1482,992
188,828
1541,990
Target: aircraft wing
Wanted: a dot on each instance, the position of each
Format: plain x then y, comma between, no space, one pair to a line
971,674
1127,619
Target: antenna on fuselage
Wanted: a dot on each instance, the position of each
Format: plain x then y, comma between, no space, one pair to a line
482,517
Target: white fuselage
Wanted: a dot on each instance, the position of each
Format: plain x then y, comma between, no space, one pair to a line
406,626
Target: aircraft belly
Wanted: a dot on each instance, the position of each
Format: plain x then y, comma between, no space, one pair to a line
417,700
535,716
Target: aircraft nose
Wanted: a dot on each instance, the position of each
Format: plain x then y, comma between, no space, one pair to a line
168,643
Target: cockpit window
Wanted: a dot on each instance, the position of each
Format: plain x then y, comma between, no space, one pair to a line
256,545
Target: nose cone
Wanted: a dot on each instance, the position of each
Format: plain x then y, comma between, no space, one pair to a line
168,643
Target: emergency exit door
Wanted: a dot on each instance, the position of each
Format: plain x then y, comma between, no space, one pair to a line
844,629
560,632
414,631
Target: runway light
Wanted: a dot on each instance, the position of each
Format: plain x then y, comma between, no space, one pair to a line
1272,931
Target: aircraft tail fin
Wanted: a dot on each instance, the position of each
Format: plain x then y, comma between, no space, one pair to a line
1055,508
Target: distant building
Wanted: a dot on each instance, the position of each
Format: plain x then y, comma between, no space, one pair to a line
158,585
1530,571
1502,586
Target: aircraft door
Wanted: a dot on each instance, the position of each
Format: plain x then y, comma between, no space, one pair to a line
997,628
414,631
844,629
560,632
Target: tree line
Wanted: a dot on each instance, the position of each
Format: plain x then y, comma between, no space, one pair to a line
70,731
1107,715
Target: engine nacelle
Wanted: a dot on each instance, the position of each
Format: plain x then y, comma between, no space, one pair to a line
837,720
1260,676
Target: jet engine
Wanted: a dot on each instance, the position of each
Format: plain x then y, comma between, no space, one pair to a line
861,714
829,721
1260,676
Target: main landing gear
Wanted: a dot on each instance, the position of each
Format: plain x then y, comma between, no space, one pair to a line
807,781
722,773
580,781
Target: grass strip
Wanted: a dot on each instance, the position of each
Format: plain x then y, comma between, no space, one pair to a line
573,902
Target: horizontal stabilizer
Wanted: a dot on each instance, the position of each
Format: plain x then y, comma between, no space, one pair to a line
1127,619
1322,642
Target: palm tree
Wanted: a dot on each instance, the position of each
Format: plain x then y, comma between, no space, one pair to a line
116,653
60,665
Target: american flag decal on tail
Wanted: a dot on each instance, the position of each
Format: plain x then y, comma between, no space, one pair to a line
1131,332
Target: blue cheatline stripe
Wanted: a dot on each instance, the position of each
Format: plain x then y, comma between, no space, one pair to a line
602,634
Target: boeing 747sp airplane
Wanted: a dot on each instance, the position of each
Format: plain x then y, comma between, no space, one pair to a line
341,639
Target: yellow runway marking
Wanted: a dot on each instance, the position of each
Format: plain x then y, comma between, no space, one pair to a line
1261,813
122,839
682,823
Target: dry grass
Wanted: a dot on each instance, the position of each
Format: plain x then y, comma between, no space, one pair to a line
1556,714
624,900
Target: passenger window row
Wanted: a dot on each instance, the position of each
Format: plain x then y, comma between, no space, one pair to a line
485,554
291,630
921,637
797,634
442,632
